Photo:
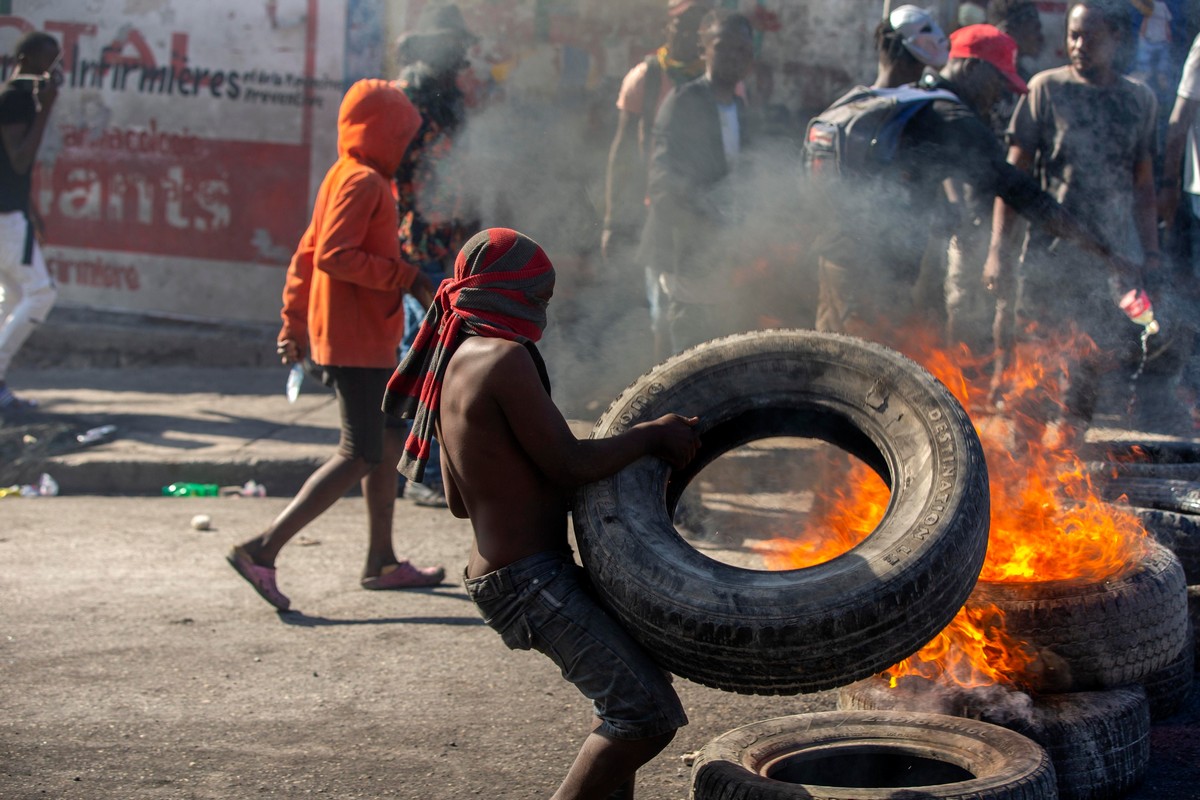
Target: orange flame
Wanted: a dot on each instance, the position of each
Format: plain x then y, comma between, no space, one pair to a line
849,518
972,651
1047,521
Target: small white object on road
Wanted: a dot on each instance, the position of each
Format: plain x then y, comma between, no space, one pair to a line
202,522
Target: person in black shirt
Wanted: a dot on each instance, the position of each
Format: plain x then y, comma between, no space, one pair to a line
25,105
699,136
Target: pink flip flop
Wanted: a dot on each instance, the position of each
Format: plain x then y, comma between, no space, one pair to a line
261,578
406,576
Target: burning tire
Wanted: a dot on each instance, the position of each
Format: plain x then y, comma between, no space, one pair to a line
1161,452
1179,533
849,755
1099,742
1182,497
1119,470
810,629
1170,687
1096,635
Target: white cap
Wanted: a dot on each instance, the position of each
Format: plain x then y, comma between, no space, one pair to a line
921,35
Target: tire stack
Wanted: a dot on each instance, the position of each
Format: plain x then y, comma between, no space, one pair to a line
1160,483
1109,656
754,632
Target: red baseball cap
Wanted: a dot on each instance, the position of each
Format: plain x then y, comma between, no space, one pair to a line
988,43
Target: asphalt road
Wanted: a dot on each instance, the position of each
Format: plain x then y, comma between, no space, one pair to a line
136,664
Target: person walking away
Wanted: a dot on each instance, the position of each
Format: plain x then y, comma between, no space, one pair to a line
642,91
25,104
428,196
510,464
699,136
970,308
1090,131
342,303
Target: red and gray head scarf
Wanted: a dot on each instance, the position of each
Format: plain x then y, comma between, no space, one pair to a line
500,278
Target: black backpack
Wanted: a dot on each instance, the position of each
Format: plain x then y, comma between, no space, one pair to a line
860,133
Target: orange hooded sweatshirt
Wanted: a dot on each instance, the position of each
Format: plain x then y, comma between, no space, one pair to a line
343,298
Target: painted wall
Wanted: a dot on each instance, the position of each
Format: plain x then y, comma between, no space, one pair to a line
184,146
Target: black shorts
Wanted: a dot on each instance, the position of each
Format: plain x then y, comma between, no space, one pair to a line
360,401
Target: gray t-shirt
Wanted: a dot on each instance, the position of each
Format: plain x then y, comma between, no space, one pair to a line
1088,140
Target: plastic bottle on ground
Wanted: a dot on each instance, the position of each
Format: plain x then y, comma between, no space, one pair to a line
97,435
191,490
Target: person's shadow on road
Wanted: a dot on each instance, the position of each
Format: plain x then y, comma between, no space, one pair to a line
301,620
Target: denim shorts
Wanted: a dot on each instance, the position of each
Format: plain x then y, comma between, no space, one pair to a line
543,603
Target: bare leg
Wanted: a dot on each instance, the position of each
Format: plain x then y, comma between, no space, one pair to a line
605,766
323,488
379,490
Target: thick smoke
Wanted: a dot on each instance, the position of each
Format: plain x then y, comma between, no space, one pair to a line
537,163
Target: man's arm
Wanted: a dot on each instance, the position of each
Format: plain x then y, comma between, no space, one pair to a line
999,270
338,250
293,337
1182,117
453,495
624,163
546,438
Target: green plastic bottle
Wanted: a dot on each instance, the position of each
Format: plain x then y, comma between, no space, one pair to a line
191,490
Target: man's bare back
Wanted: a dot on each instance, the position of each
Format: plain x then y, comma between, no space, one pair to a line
510,461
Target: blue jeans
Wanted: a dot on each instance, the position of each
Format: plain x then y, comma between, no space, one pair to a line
413,316
543,603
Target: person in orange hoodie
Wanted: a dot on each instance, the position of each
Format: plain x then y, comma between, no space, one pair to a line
343,305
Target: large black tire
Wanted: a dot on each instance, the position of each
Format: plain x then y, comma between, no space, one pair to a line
1179,533
872,756
806,630
1114,470
1096,635
1161,452
1180,496
1099,742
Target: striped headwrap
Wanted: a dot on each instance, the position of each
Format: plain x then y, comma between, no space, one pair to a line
499,276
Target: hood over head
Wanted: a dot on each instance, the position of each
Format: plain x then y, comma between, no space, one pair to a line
376,123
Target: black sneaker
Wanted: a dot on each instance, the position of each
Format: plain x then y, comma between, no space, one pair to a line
422,495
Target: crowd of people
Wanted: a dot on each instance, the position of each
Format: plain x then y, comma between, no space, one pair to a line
911,190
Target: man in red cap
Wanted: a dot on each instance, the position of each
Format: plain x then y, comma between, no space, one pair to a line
1091,133
866,281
